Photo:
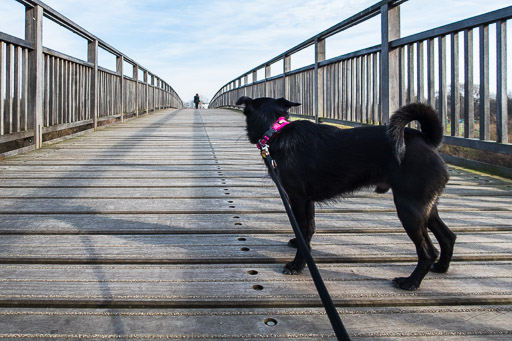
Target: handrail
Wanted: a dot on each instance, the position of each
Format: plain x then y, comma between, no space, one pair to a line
368,85
43,91
483,19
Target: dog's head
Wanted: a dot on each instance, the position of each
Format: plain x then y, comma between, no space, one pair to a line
261,114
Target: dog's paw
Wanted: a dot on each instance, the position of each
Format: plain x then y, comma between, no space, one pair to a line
439,268
293,242
405,283
292,269
382,188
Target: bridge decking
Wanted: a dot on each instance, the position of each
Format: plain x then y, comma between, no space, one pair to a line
167,227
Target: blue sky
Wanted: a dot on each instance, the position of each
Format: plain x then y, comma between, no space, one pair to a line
199,45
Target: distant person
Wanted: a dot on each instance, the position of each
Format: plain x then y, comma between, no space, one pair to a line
196,100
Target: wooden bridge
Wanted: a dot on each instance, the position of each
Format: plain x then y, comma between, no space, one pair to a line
167,226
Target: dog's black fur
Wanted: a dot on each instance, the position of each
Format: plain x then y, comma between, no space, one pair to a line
318,162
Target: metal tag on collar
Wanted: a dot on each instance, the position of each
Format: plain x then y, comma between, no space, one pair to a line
264,150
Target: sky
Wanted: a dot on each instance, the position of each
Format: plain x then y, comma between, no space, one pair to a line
197,46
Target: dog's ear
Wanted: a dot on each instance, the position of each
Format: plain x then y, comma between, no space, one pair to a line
244,100
286,104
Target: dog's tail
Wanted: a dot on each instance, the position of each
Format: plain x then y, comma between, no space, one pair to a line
431,126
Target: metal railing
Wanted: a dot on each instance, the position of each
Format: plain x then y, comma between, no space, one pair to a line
43,91
366,86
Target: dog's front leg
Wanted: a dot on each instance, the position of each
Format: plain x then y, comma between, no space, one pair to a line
304,211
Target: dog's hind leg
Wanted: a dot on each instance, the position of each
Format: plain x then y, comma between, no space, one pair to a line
446,239
304,211
412,216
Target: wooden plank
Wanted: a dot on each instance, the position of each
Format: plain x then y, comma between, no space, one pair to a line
268,223
188,189
123,182
257,285
134,174
49,164
242,248
113,164
425,323
174,205
251,169
195,177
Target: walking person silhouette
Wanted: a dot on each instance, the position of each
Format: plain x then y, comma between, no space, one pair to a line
196,100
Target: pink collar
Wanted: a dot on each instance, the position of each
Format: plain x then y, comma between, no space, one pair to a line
278,125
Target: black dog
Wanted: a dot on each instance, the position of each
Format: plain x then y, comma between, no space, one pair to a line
317,162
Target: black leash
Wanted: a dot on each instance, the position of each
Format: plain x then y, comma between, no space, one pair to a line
332,313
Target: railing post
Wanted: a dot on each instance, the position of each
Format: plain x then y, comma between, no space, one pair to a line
319,79
8,90
246,81
287,66
469,104
146,90
2,104
166,96
92,57
158,93
136,79
485,105
431,74
162,92
455,96
119,70
153,106
501,86
390,87
254,79
34,34
420,72
267,76
443,94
